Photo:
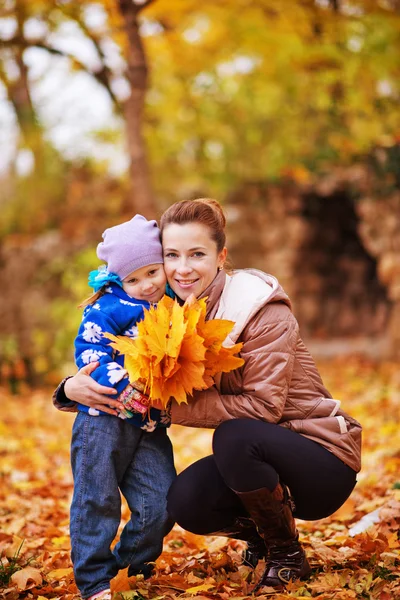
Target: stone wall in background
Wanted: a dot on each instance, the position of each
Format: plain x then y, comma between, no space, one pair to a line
379,230
336,253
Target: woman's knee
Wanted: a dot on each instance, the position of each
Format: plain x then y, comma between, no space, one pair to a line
232,443
239,454
227,434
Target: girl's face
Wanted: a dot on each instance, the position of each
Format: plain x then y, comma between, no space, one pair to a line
146,283
191,259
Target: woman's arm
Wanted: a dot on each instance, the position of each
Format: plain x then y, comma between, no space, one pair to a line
84,389
269,350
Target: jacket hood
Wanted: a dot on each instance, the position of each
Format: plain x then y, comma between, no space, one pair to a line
278,294
239,296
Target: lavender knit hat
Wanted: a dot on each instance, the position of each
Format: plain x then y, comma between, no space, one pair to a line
130,246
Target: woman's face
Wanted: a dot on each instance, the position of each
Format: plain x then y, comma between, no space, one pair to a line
191,259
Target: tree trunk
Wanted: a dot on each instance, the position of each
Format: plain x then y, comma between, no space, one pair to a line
19,95
141,193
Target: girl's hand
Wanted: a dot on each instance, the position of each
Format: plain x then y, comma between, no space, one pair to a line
84,389
133,400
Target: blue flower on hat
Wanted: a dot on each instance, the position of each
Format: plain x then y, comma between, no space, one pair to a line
102,276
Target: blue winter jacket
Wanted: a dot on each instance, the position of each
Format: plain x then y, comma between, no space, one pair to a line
115,313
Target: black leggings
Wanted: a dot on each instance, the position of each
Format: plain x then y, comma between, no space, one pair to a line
248,455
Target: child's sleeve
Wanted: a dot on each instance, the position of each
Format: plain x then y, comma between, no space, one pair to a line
91,346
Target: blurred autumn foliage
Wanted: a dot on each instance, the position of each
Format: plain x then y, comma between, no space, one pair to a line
288,113
237,91
290,109
36,487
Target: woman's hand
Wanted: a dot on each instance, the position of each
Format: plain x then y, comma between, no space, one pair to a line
84,389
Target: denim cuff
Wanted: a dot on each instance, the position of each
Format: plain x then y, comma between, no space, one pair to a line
60,400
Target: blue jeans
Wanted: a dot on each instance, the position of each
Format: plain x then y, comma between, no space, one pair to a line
109,455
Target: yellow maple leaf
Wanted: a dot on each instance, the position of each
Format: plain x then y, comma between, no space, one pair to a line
177,351
222,360
60,573
204,587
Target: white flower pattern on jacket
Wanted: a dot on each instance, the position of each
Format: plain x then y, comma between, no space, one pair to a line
127,303
92,332
132,332
89,355
115,372
149,426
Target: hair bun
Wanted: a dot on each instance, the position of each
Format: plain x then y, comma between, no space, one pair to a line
205,211
215,205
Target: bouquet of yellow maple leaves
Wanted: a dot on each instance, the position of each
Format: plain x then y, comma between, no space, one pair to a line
177,351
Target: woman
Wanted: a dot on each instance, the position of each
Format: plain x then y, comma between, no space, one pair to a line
282,448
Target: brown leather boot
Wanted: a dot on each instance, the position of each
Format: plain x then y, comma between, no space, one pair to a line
272,513
244,529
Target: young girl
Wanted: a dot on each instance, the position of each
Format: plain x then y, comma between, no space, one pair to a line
131,454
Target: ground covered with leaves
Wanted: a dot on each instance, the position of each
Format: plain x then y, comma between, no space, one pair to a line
36,487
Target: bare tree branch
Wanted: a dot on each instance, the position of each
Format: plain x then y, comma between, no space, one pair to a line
101,75
74,12
105,73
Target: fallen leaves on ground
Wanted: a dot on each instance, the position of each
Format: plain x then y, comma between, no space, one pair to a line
36,488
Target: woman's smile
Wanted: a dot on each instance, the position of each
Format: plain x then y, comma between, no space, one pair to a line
186,282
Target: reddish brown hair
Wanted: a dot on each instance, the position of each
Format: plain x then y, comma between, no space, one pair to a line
205,211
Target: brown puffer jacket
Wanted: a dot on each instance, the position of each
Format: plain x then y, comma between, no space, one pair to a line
279,382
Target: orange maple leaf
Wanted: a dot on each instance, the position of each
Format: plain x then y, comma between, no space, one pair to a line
177,351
